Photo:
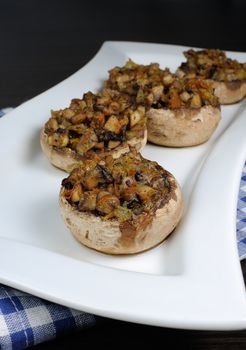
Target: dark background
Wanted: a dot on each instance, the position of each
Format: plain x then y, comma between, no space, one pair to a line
43,42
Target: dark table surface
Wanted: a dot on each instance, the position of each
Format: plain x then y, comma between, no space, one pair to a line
43,42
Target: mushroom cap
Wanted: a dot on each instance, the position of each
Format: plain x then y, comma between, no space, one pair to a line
182,127
229,92
106,235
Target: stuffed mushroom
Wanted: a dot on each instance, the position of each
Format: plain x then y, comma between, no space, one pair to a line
227,76
180,112
121,206
108,122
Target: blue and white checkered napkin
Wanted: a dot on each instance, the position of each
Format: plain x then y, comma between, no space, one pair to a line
26,320
241,216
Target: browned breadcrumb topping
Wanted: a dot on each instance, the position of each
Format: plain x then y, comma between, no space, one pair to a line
129,189
97,122
157,88
212,64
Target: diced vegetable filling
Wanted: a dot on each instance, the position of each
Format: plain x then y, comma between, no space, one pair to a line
126,189
98,122
212,64
157,88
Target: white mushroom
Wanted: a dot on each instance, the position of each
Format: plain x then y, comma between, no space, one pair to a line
182,127
119,230
105,123
227,76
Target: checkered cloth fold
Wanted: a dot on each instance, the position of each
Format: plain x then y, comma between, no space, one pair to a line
26,320
241,216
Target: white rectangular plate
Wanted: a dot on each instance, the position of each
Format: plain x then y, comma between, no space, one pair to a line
193,280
